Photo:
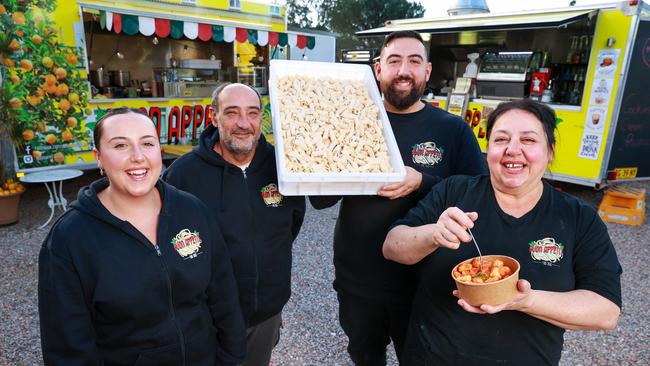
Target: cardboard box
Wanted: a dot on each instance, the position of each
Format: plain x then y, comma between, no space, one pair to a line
298,184
624,206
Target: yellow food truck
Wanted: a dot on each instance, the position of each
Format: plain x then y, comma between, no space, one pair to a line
590,64
65,62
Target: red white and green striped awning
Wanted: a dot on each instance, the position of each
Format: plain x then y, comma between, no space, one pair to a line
160,26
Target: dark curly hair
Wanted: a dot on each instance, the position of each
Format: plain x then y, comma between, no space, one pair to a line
544,114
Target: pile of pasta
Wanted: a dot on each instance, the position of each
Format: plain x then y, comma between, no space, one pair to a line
493,270
330,126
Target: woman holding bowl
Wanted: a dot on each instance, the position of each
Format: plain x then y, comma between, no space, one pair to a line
134,273
570,274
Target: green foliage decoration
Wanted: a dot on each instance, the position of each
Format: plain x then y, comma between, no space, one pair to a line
44,94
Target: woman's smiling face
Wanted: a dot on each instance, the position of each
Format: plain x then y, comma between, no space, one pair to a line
518,152
129,154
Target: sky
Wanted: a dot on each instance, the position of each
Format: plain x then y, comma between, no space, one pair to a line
438,8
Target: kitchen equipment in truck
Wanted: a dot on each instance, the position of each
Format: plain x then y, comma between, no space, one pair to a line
504,74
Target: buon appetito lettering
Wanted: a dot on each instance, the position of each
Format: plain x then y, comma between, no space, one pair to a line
546,250
181,120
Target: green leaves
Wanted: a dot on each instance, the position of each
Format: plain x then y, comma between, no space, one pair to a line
43,86
266,126
350,16
301,13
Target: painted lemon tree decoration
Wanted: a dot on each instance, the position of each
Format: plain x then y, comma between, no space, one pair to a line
43,90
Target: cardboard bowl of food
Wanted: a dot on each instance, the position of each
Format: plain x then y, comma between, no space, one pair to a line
494,285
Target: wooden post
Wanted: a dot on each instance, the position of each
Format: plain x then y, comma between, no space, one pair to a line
7,168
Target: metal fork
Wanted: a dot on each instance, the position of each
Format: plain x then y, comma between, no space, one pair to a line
480,256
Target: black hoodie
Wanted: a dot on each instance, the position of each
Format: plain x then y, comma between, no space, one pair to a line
107,296
258,223
431,141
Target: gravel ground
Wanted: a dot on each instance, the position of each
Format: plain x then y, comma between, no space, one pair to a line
311,334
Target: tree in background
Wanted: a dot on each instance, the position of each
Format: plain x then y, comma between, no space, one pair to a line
43,94
299,12
347,17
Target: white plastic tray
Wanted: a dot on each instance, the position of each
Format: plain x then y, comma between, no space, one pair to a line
314,184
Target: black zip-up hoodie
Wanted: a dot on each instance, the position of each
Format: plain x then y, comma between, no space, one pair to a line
258,223
108,296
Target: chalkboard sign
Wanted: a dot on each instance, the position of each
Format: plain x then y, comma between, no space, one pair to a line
631,146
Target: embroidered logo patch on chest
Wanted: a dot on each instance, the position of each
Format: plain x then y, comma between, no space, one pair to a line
426,153
271,195
546,251
187,243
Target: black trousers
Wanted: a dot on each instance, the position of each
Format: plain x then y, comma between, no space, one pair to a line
371,325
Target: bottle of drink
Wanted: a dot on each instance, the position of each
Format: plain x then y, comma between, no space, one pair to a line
574,98
546,58
572,50
584,49
547,94
576,56
564,94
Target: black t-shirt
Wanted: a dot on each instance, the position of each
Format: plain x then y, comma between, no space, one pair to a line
561,245
431,141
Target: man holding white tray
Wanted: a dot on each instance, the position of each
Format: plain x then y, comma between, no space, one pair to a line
375,294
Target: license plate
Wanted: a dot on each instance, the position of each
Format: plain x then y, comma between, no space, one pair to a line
626,173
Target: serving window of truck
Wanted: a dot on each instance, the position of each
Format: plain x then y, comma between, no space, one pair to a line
74,59
588,63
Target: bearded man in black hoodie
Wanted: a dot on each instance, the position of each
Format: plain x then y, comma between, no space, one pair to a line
233,172
375,294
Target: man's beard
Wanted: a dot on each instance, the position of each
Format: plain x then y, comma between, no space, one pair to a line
399,99
236,146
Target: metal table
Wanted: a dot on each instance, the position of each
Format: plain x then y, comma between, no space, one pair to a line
53,177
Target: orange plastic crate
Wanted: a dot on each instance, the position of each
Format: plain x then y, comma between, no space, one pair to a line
623,205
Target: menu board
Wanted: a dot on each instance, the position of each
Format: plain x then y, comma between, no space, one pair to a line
631,145
457,103
601,94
